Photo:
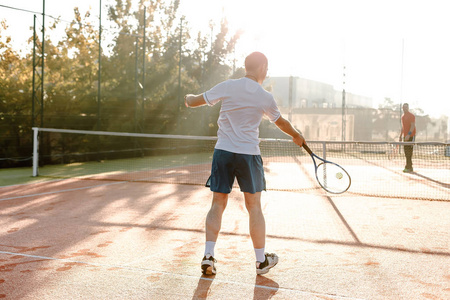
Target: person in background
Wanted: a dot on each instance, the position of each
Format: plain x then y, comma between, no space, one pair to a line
237,154
408,133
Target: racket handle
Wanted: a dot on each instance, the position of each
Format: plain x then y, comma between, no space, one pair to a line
307,149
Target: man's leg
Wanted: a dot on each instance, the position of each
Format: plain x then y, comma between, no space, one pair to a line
214,217
257,222
213,224
408,155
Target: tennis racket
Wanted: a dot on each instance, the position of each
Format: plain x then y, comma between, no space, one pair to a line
331,176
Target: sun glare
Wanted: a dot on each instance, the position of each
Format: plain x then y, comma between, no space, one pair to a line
389,49
396,49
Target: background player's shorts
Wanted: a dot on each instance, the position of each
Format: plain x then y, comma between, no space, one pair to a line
248,169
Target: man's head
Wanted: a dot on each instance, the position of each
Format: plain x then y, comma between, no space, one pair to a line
405,107
256,65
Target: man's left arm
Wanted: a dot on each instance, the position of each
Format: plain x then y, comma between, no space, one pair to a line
411,130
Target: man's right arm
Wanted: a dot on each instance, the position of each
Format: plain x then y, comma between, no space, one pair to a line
194,100
287,128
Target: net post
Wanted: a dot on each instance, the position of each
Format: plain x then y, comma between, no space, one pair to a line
35,150
324,155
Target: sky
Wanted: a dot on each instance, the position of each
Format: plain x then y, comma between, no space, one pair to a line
390,48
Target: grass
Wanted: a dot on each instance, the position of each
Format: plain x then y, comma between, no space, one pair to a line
19,176
15,176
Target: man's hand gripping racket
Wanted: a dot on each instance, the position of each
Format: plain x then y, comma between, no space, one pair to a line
331,176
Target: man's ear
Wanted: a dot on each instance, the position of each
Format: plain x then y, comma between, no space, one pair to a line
263,69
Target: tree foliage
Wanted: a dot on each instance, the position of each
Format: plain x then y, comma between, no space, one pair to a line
140,89
14,107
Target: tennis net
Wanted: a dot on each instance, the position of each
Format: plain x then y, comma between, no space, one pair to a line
376,168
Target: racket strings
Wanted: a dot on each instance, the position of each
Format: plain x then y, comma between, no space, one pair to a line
333,178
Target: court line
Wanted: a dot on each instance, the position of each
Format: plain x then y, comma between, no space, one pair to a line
62,191
137,269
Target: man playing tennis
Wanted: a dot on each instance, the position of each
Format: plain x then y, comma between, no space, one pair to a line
237,154
409,133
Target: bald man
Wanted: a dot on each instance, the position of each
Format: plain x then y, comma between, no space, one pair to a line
237,154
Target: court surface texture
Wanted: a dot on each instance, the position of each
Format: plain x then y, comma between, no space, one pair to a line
98,239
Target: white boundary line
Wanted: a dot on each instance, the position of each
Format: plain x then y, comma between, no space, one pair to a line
138,269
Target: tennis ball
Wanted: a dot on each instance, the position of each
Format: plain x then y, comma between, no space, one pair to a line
339,175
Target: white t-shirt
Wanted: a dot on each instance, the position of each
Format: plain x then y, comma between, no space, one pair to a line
244,103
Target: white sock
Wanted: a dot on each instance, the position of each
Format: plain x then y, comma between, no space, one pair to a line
260,256
209,248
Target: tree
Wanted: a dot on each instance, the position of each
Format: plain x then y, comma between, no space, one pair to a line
71,74
15,108
123,68
386,122
72,66
210,68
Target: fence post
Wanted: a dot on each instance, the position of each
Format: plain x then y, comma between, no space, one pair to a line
35,151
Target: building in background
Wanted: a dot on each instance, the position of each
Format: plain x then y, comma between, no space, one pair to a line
317,108
299,92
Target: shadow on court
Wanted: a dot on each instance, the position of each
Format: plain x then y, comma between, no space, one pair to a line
440,183
131,240
204,283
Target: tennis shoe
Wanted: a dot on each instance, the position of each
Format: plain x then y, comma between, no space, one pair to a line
406,170
269,263
208,267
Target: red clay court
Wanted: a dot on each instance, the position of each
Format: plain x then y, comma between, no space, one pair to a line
100,239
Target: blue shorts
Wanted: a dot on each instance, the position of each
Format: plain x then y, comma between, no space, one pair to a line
226,166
